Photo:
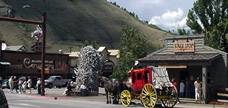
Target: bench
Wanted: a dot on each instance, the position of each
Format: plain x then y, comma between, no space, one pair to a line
222,94
73,93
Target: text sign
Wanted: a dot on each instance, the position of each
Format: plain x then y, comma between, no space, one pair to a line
183,46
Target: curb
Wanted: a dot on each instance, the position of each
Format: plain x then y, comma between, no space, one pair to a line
49,97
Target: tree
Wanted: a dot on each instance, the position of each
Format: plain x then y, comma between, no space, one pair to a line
209,17
183,31
92,43
133,45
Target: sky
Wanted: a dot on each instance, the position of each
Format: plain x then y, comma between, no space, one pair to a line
166,14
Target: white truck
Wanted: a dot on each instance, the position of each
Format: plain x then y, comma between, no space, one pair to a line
56,81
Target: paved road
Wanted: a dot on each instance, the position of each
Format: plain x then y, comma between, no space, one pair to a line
36,101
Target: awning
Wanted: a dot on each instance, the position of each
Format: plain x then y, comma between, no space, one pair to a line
4,62
181,57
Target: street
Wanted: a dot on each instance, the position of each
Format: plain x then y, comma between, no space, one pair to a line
49,101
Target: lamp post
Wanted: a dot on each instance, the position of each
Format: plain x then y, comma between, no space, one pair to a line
43,23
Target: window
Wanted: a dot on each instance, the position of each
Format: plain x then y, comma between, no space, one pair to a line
133,77
139,76
146,76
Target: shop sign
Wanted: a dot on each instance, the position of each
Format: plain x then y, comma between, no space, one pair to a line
28,63
183,46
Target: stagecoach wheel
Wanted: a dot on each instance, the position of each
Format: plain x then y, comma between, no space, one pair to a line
125,98
148,96
171,102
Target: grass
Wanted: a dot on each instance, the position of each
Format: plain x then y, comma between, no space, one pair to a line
76,21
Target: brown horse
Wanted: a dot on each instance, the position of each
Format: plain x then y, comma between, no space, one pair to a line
111,89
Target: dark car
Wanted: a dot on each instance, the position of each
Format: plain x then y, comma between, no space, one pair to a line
5,83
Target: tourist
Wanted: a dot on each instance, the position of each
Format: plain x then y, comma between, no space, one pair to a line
15,83
24,86
20,85
29,82
197,85
187,88
68,88
38,84
173,90
83,89
182,87
11,84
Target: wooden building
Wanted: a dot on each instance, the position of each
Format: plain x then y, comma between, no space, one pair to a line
188,57
29,64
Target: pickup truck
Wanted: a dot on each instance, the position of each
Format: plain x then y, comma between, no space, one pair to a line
56,81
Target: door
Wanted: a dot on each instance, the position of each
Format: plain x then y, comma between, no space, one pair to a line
137,80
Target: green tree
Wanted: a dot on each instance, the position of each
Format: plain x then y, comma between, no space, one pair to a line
92,43
209,17
183,31
133,45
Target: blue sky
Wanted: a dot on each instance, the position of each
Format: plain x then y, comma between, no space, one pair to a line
166,14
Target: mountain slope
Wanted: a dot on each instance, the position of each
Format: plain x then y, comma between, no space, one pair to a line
71,22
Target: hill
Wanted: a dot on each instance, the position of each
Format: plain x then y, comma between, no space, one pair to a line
71,22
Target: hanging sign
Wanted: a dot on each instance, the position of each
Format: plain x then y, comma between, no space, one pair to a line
183,46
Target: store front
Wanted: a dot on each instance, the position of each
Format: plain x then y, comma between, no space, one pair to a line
188,57
29,64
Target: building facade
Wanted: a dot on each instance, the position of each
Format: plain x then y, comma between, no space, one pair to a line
29,64
188,57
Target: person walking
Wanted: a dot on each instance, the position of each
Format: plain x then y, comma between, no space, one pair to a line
29,82
24,86
197,85
11,84
187,88
182,87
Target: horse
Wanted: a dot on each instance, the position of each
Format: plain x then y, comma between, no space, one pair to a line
112,88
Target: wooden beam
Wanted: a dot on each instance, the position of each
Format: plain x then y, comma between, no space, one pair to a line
222,94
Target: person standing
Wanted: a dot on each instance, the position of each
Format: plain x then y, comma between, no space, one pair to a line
38,84
187,88
15,83
20,85
29,82
182,87
175,84
197,85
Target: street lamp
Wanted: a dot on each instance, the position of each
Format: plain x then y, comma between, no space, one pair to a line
43,47
43,23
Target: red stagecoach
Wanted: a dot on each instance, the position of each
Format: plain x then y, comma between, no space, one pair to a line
149,84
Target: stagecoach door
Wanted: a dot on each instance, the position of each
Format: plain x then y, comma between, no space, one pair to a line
137,81
140,78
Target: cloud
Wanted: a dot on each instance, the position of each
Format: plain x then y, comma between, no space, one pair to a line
170,20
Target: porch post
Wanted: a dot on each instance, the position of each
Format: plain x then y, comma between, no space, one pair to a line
204,82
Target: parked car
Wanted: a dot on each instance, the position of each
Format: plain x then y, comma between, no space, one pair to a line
56,81
5,83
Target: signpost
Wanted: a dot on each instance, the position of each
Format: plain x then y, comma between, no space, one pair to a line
43,23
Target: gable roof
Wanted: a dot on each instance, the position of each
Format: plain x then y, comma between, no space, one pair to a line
16,48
